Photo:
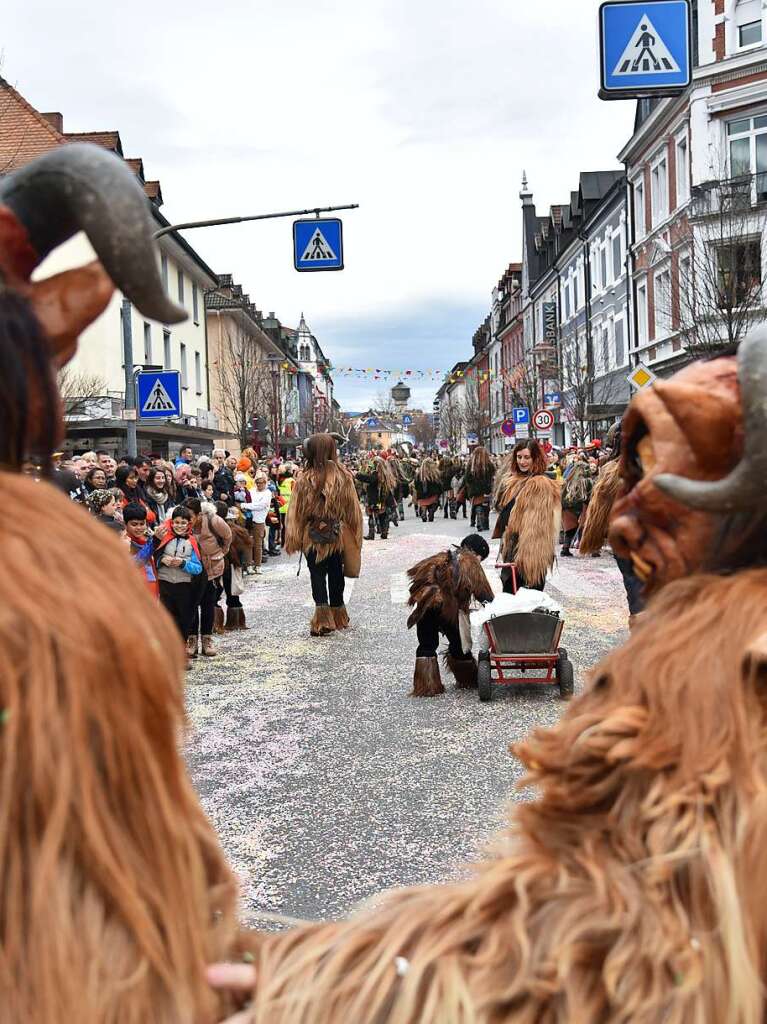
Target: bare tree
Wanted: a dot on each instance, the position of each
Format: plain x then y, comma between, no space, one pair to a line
423,430
476,416
717,294
242,377
451,419
78,389
385,404
524,387
582,385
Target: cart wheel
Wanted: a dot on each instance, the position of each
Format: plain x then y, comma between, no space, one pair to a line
485,679
562,653
565,677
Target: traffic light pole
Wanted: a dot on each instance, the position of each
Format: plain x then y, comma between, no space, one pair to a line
188,225
130,379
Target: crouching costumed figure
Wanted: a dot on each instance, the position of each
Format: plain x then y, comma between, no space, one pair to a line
631,887
114,892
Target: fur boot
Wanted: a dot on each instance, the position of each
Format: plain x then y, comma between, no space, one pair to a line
426,678
322,621
232,619
464,671
218,620
240,618
341,617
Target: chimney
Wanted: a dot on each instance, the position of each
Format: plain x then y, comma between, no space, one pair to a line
56,120
271,316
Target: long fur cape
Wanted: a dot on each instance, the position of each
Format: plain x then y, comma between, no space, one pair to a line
531,535
607,489
114,891
446,583
313,500
629,891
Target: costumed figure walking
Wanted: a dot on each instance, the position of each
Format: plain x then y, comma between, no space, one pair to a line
446,472
324,522
442,589
380,497
576,493
427,488
628,888
478,485
529,504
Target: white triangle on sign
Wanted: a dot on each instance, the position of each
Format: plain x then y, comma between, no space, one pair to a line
645,53
318,248
158,399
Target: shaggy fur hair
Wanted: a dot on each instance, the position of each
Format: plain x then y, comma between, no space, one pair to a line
447,582
428,473
629,891
532,533
115,893
607,489
318,495
427,681
478,479
508,476
387,481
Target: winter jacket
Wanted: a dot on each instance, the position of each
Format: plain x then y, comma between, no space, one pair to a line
168,544
223,484
214,537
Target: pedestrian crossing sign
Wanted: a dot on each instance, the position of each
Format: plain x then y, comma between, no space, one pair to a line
318,244
645,48
159,395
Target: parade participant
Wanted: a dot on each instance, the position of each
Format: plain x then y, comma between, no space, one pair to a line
576,494
380,501
530,512
478,486
446,470
625,889
115,890
442,589
325,524
459,489
427,489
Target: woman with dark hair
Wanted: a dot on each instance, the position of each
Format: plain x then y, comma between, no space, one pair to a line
530,508
156,494
478,486
95,480
324,522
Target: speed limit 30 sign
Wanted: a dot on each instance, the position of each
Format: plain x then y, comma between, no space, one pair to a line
543,420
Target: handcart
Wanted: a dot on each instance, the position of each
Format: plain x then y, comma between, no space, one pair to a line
524,649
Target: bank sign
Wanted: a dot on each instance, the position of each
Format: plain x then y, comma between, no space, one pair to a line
645,48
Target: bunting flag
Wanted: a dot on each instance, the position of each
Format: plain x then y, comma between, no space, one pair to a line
472,373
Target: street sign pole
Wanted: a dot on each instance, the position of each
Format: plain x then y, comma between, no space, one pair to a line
188,225
130,380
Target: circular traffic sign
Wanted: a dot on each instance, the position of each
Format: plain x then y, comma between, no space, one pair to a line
507,428
543,420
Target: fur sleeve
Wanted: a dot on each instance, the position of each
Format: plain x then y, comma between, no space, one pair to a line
535,520
594,533
297,514
353,516
474,577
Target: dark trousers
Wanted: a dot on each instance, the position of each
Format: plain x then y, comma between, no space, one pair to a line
428,630
231,600
203,615
569,538
632,585
508,582
327,579
179,599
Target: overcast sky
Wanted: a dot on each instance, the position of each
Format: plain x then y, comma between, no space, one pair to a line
423,111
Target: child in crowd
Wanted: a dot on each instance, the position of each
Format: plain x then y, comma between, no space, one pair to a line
178,562
102,504
141,544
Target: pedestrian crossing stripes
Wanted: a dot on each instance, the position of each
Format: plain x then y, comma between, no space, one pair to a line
400,588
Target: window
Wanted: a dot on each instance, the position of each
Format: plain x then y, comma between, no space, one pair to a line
747,138
567,300
620,344
605,350
748,21
740,273
147,343
639,210
164,270
682,171
181,286
659,180
166,349
197,373
184,379
662,303
617,257
603,265
575,292
195,309
642,313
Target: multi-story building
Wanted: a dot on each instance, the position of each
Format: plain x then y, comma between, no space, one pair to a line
450,409
97,372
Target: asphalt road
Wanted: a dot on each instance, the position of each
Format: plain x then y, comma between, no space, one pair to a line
326,781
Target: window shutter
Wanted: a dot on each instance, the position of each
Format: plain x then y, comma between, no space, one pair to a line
748,11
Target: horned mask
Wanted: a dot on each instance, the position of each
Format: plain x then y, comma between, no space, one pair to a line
694,452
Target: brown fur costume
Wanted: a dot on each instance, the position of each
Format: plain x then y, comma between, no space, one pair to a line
447,583
603,497
320,495
531,535
628,891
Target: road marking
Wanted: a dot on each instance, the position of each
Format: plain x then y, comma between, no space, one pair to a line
348,591
400,588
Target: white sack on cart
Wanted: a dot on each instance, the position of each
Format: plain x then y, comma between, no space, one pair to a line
521,603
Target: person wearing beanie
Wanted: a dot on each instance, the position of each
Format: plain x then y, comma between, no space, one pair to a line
244,465
442,589
102,504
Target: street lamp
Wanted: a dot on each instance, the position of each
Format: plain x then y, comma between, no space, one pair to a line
274,370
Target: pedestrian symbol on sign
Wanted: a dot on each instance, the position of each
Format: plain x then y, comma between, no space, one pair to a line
645,52
318,248
159,400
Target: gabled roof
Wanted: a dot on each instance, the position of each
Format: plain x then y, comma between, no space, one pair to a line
109,140
596,184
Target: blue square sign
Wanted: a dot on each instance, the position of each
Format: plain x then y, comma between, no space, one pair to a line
158,395
645,48
318,244
520,415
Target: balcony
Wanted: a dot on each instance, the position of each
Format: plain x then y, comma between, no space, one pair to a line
728,196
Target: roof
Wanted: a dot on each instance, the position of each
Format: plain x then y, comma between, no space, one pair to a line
109,140
596,184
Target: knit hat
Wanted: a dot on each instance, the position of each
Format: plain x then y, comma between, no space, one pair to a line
244,465
99,499
477,544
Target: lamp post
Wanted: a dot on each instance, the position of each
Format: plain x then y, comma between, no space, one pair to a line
274,369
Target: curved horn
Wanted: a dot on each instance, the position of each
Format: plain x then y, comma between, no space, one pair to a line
82,187
747,484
